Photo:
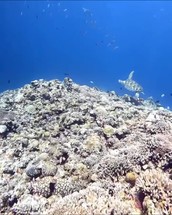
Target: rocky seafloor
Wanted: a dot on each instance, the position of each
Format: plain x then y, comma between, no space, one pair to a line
67,149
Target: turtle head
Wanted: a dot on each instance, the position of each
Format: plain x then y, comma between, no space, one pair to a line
121,82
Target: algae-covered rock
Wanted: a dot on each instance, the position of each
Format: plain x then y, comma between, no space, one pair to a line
108,130
93,143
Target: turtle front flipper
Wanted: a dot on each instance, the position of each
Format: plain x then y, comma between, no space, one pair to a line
130,75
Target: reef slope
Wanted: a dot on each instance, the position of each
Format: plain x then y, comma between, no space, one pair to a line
71,149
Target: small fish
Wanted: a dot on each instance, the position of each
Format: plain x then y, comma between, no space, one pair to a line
131,85
85,10
162,95
112,42
116,47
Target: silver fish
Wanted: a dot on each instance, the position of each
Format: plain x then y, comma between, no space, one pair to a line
131,85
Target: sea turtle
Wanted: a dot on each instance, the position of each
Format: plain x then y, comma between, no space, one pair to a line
131,85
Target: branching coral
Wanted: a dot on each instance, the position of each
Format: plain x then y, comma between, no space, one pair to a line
156,186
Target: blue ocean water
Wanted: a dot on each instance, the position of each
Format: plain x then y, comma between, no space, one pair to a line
93,42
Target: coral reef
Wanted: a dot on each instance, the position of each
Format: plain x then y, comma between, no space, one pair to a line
72,149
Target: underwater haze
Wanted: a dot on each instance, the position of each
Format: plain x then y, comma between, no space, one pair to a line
95,43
